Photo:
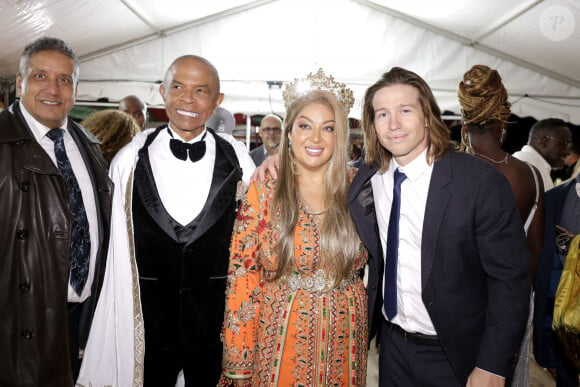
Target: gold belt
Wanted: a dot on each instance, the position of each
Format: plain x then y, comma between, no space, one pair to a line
319,282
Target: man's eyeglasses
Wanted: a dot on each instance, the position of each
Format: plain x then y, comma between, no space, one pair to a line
565,143
271,130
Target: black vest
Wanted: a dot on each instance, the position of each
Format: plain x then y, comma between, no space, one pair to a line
183,269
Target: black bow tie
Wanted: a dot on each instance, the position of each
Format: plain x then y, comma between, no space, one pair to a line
180,148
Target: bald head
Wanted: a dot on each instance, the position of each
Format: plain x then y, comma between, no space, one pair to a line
136,108
270,130
190,59
551,138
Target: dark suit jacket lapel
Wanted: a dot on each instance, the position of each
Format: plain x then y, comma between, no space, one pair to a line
437,199
34,158
558,203
226,175
362,208
144,186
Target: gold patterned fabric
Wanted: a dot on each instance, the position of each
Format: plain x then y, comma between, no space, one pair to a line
566,321
296,331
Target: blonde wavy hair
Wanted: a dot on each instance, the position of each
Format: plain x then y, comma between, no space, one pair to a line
339,239
113,128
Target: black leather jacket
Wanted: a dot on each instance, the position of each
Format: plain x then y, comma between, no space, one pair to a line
34,251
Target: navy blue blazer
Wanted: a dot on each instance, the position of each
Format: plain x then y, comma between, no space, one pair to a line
554,202
475,262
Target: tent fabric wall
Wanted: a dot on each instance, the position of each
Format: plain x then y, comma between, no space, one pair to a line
254,42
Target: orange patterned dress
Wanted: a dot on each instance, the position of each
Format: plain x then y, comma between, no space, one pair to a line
296,331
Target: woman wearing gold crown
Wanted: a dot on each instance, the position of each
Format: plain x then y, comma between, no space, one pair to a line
296,310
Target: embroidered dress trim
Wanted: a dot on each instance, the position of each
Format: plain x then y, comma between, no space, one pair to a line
138,333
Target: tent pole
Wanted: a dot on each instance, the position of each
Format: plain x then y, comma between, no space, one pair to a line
248,131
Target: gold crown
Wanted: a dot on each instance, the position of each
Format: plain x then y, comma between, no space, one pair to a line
318,81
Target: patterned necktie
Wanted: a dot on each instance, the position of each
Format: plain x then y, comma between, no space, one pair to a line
80,244
180,149
390,297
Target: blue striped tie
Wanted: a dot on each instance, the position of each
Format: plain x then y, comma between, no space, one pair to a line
390,297
80,243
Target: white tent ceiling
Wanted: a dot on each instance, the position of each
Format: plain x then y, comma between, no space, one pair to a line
125,46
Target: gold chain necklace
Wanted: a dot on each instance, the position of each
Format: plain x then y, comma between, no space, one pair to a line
315,213
504,161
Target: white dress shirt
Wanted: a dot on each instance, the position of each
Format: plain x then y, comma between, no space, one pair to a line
184,197
532,156
412,315
86,185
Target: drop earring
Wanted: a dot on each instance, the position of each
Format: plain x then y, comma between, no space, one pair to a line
469,141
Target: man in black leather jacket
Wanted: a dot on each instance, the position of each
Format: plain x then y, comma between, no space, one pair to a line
44,321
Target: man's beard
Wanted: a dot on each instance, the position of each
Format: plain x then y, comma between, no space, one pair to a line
273,145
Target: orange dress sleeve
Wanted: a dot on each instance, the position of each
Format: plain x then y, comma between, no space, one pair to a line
243,294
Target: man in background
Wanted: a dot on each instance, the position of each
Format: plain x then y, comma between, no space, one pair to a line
548,145
136,108
269,132
562,224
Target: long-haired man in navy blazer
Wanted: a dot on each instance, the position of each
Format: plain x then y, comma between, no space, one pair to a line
450,299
